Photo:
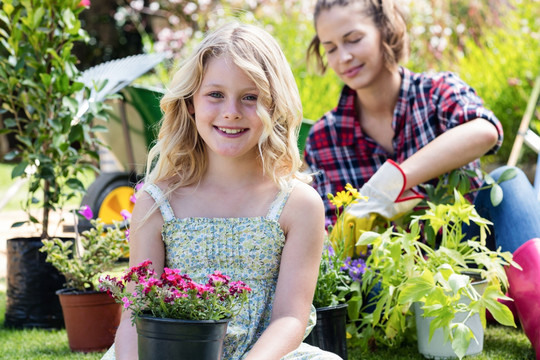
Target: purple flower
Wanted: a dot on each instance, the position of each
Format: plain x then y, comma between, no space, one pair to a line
355,267
86,212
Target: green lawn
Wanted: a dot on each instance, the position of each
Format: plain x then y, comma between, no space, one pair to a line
501,343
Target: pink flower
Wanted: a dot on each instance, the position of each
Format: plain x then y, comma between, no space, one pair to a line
85,3
127,302
125,214
133,198
86,212
218,278
238,287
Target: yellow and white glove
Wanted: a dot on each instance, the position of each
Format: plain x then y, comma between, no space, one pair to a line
386,198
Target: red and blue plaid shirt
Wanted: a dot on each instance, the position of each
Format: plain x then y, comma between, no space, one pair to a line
338,152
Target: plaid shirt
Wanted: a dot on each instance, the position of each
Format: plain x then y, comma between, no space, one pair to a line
338,152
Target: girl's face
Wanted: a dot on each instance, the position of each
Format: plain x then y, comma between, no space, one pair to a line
225,110
352,43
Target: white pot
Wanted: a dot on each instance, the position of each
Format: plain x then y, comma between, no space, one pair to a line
436,348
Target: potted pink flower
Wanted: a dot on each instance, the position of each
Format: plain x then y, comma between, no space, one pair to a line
174,314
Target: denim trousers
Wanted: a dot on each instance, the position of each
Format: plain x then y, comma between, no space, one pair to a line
516,219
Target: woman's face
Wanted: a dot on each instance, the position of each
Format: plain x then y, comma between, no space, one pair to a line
352,44
225,110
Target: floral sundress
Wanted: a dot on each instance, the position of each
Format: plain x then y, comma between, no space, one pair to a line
247,249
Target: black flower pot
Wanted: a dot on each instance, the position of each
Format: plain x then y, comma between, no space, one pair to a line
329,334
180,339
31,287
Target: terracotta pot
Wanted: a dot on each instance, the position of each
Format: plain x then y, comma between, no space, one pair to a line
91,319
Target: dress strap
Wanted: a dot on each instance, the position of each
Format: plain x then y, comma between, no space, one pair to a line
279,202
164,206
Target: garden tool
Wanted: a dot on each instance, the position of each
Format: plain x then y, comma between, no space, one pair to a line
525,290
116,74
386,198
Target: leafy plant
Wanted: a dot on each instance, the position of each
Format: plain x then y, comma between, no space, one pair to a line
408,270
176,296
38,89
333,282
81,261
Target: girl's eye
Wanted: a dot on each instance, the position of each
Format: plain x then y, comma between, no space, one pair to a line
250,97
354,41
215,94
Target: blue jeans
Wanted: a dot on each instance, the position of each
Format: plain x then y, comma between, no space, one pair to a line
516,219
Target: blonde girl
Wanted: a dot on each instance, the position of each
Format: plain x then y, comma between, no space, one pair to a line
224,192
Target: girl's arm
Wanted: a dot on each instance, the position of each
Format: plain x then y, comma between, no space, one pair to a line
303,223
145,243
450,150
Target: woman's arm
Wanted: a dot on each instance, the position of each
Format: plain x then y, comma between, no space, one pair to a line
145,243
450,150
303,222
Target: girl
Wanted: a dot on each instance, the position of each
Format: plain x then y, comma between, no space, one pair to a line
394,129
223,192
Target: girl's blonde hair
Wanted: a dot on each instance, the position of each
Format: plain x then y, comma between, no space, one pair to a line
388,16
181,153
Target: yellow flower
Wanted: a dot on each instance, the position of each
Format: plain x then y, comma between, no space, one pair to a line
355,193
347,197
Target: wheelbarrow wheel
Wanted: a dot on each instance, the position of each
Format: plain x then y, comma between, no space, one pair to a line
107,196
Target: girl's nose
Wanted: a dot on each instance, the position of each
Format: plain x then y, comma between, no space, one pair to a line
231,111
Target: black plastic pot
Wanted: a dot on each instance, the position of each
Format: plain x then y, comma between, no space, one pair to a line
31,286
180,339
329,334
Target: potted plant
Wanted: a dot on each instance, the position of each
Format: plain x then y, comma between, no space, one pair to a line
40,105
337,292
175,315
91,316
329,300
439,280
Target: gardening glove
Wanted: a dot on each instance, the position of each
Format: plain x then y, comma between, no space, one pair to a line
346,232
386,198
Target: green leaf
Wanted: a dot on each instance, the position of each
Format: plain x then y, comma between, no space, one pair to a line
18,224
462,338
38,16
8,8
75,184
417,288
19,169
11,155
496,194
500,312
367,238
458,282
76,134
507,174
10,123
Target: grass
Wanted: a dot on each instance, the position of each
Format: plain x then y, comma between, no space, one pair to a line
500,343
36,344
